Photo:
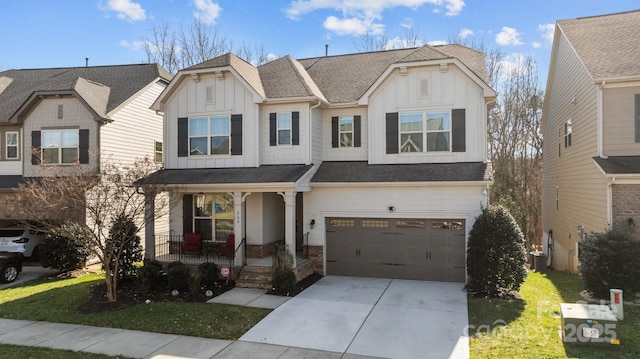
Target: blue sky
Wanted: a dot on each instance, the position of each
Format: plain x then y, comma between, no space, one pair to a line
46,33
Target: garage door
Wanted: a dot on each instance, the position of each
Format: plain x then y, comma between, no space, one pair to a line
424,249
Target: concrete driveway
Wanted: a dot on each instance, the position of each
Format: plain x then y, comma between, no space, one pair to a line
372,317
30,270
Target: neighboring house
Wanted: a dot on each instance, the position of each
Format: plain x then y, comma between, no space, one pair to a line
591,127
63,116
372,164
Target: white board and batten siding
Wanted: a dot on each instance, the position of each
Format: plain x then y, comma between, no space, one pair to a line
345,153
574,189
619,124
230,97
428,88
135,128
284,154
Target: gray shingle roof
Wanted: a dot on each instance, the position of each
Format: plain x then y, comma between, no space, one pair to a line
123,81
609,45
206,176
619,164
345,172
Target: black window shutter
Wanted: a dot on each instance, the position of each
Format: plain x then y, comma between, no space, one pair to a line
236,135
356,131
35,147
273,130
335,132
392,132
637,117
458,130
295,128
183,137
83,146
187,213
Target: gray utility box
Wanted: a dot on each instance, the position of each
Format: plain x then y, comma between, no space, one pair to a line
588,323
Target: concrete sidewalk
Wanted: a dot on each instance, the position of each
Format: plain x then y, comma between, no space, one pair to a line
137,344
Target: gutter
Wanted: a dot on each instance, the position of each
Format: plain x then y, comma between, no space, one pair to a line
599,121
612,181
310,146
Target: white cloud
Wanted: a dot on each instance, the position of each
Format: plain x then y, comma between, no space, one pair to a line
536,45
547,31
361,17
207,11
127,10
271,57
398,43
464,33
508,36
133,45
437,42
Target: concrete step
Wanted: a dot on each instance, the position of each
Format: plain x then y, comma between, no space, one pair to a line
255,277
251,283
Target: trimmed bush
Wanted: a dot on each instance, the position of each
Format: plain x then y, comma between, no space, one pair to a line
150,275
179,276
496,254
124,233
208,273
62,253
284,282
609,260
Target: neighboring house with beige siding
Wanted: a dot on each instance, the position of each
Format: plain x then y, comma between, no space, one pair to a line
370,164
591,127
84,115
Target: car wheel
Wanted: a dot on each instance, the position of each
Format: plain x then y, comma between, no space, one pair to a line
9,273
35,254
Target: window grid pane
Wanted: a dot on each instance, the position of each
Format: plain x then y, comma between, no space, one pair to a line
12,145
346,132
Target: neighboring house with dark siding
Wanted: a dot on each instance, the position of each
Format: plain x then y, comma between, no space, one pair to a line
591,128
63,116
370,164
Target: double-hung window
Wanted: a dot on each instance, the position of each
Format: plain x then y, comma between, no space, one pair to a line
11,145
158,151
209,135
567,134
346,132
427,131
60,146
284,128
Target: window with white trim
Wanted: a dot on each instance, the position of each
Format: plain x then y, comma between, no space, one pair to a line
284,128
345,131
157,148
425,131
60,146
209,135
11,141
567,134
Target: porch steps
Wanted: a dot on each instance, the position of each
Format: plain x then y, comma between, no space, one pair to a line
255,277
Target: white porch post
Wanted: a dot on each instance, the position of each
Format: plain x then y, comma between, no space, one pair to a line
238,227
290,223
149,226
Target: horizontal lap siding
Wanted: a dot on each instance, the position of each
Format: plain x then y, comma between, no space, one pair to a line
619,121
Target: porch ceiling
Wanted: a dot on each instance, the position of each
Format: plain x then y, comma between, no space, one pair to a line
204,176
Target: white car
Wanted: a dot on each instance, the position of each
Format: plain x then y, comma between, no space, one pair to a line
21,240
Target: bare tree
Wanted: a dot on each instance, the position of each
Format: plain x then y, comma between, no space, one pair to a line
200,43
255,55
410,38
85,199
162,48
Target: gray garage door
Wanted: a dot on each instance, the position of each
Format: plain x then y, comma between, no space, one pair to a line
425,249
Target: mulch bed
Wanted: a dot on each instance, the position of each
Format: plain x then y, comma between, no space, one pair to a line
129,294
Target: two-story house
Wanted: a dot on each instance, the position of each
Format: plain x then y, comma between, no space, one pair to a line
591,128
60,117
375,164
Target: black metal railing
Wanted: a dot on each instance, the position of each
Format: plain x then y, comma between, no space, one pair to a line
169,249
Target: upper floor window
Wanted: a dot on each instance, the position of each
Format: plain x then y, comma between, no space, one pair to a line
209,135
60,146
158,151
567,134
346,132
428,131
11,145
284,128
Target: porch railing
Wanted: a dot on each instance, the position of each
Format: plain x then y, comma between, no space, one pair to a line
169,249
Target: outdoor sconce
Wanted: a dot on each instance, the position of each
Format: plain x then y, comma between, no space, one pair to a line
313,223
391,208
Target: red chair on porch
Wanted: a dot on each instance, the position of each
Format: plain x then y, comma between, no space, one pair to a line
229,247
192,243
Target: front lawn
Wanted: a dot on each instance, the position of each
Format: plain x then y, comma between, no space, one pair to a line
17,351
58,300
529,327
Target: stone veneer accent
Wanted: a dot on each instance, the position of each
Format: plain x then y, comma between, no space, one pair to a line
626,207
261,251
316,254
304,270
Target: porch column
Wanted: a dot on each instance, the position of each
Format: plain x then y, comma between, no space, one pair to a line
238,227
149,226
290,223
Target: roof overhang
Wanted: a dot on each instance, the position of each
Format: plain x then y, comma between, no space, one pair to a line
618,82
488,93
401,184
37,96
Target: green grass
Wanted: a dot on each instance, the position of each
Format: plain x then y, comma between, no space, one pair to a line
17,351
57,300
529,327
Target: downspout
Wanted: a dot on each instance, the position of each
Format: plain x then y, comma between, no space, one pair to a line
599,121
310,158
612,181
